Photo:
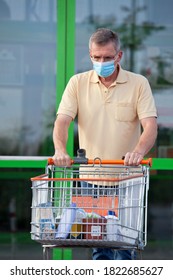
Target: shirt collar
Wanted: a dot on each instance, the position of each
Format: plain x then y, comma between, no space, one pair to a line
122,76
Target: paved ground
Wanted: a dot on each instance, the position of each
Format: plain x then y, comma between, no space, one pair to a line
34,252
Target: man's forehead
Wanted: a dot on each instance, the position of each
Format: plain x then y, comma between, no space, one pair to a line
102,48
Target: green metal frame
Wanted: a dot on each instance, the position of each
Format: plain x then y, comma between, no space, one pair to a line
65,53
162,163
65,69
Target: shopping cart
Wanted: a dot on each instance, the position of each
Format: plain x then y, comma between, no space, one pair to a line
92,203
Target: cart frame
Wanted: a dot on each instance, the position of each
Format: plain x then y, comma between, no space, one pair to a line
55,190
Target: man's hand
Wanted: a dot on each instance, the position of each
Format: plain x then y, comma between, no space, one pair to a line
133,158
61,159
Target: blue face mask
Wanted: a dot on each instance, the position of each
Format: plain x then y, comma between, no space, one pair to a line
104,69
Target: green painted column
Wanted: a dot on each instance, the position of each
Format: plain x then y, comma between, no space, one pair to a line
65,54
65,69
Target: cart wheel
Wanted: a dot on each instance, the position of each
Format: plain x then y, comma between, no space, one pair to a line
46,253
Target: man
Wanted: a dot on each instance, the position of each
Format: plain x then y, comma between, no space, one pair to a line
112,105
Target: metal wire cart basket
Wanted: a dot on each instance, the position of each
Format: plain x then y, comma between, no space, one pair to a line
93,203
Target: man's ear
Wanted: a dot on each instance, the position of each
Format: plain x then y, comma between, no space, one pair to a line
120,55
90,55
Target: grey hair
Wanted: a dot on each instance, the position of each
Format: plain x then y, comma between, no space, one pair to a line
103,36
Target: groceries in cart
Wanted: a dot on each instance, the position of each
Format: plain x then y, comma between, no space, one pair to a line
46,221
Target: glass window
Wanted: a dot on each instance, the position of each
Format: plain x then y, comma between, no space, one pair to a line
28,74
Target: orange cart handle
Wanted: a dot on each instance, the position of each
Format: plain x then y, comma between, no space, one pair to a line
118,161
99,161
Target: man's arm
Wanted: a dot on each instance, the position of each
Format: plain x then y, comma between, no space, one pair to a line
146,142
60,136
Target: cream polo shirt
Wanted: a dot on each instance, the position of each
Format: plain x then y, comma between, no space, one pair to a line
108,118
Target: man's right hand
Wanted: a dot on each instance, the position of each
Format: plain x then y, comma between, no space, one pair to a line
61,159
